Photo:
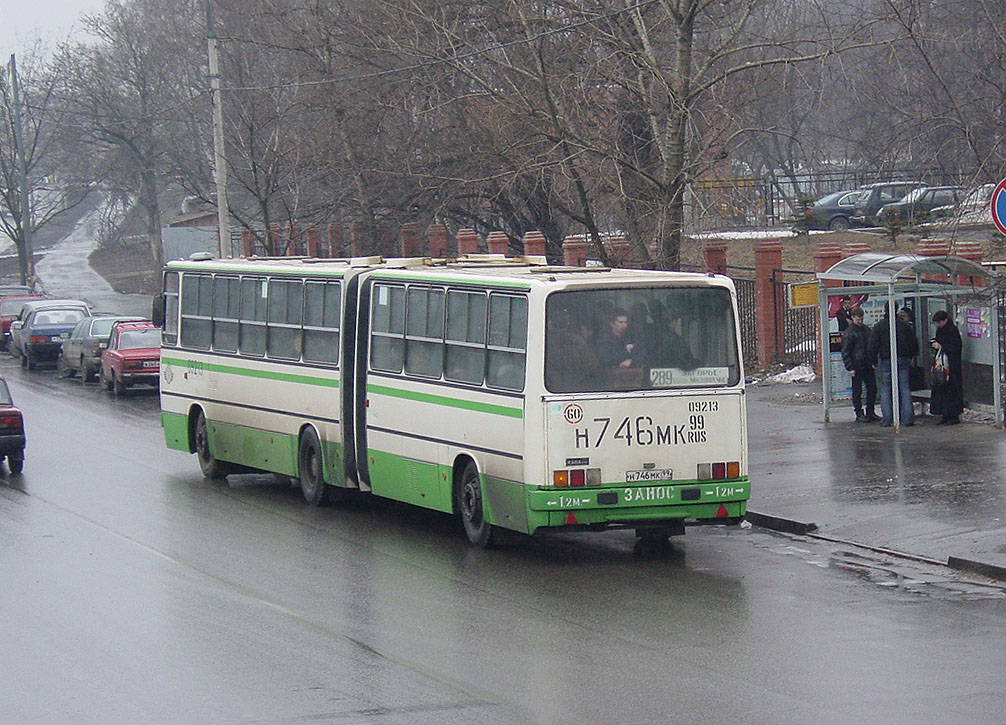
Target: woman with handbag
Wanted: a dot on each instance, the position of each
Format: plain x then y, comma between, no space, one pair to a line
947,397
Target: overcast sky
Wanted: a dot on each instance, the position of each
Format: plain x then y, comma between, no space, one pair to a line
22,20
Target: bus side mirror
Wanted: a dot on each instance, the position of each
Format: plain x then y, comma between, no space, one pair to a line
157,310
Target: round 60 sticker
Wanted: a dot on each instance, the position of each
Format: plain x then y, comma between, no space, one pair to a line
573,413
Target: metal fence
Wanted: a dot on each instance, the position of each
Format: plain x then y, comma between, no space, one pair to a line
747,310
797,344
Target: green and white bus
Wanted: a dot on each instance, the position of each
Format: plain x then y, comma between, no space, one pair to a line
513,394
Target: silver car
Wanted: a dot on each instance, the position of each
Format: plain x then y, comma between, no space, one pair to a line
81,352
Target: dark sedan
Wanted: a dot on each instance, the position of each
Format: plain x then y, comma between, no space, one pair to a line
918,204
832,211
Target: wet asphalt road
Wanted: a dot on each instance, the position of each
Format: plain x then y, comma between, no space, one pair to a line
136,591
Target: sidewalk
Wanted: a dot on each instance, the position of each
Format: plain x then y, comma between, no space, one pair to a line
933,491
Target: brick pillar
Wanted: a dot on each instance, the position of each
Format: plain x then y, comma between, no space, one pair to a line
716,257
574,250
335,241
411,241
768,257
851,249
358,246
498,243
247,242
826,256
972,251
534,244
468,242
436,235
618,250
933,248
313,237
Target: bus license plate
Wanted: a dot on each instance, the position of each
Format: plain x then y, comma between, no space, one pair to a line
653,474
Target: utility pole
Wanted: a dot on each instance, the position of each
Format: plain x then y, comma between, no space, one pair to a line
29,261
219,162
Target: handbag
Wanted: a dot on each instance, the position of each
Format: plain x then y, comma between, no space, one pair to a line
940,372
916,377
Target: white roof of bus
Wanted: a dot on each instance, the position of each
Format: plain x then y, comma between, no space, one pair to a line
481,267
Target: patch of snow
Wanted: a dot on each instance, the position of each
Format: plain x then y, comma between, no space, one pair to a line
764,234
800,374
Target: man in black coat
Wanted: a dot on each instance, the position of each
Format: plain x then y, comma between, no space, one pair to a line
880,356
948,399
856,357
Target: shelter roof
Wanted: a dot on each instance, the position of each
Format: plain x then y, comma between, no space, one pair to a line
887,268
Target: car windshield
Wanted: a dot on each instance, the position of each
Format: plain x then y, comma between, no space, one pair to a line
638,338
11,307
102,327
915,194
829,199
136,339
59,317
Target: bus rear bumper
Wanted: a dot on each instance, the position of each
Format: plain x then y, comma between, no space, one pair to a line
721,502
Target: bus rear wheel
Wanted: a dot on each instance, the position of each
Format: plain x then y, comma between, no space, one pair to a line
470,506
210,466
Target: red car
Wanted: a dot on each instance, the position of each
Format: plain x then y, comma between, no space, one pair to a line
10,308
133,356
11,430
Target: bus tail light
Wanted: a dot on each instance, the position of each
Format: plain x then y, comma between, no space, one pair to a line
718,471
577,477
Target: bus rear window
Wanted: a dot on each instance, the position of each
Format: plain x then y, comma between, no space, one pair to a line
640,338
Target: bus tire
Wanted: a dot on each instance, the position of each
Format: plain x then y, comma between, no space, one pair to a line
309,470
470,506
210,466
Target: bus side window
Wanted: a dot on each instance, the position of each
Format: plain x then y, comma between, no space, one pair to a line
466,337
507,342
197,310
322,307
387,344
424,334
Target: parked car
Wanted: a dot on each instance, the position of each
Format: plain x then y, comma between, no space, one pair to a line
976,202
873,197
10,308
918,204
81,352
11,430
10,290
832,211
132,357
38,333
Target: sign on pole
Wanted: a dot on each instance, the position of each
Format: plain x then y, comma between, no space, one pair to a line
998,205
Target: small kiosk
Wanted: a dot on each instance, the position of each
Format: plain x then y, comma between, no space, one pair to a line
924,285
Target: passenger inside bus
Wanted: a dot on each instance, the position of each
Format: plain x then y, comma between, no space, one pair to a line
572,364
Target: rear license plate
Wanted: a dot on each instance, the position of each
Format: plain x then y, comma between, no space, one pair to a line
57,338
654,474
149,364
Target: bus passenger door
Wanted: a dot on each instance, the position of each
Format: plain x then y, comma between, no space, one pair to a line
354,382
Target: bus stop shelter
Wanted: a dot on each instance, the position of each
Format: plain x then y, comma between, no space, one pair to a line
877,281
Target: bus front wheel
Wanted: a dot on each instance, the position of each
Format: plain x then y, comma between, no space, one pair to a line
470,506
312,482
210,466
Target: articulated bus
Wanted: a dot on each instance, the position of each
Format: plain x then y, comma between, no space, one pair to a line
515,395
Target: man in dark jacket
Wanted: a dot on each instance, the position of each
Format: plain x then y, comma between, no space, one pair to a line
856,357
880,356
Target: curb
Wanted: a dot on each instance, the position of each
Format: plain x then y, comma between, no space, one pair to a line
992,571
791,526
777,523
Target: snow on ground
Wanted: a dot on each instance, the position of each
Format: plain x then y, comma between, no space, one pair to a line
800,374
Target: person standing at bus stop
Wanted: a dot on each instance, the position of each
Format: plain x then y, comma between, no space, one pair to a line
856,357
881,357
948,399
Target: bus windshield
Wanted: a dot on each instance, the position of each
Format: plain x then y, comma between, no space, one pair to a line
640,338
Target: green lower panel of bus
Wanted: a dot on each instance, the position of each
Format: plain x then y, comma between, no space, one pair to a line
405,479
265,450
